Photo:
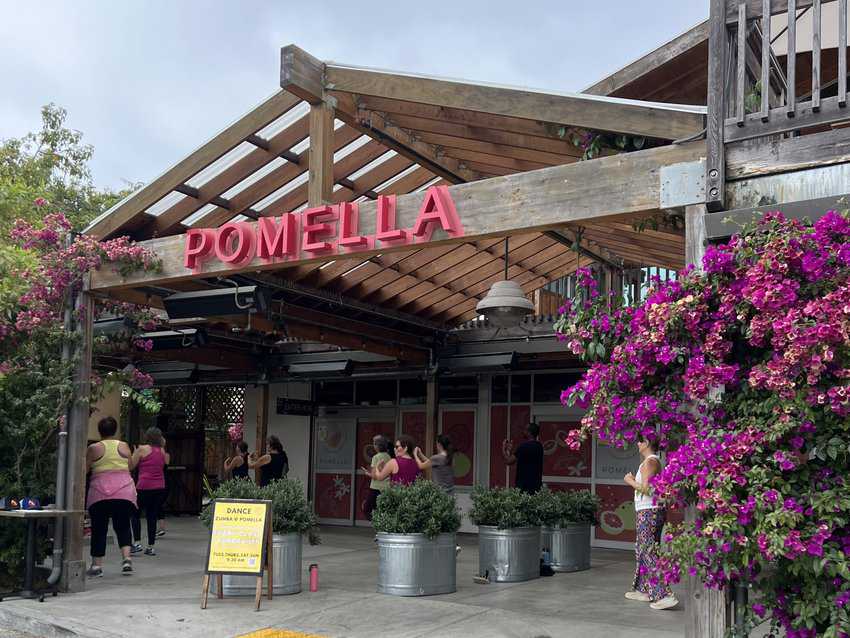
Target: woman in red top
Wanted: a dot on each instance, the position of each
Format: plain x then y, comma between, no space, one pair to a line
151,461
402,470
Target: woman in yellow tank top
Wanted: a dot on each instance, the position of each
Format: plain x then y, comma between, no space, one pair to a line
112,495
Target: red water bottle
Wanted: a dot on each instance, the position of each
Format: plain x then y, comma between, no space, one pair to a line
314,577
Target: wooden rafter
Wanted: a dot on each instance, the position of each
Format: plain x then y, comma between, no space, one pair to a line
269,183
631,117
232,136
303,75
168,222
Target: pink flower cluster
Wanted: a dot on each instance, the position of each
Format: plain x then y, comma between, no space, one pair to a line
765,325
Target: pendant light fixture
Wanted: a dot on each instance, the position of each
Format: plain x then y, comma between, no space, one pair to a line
505,305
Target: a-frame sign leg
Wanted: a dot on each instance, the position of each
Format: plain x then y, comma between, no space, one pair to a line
258,595
220,585
205,590
270,561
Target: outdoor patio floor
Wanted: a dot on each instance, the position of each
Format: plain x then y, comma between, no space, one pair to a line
162,599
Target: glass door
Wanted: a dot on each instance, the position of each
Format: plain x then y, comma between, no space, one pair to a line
334,451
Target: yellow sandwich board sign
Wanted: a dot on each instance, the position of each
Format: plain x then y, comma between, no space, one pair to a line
240,540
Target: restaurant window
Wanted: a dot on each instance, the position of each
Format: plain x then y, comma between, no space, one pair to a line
412,391
334,392
458,389
521,388
548,387
500,388
376,392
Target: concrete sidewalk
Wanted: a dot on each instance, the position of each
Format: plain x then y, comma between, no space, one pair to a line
163,599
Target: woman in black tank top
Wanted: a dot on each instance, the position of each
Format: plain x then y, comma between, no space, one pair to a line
238,464
272,466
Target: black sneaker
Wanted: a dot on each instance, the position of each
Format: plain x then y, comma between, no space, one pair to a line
126,567
135,548
160,533
94,572
150,551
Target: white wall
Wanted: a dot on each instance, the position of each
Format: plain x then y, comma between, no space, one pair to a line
293,431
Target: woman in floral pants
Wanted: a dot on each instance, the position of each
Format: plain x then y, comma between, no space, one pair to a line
648,585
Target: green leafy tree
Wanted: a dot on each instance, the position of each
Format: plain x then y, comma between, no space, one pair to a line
50,165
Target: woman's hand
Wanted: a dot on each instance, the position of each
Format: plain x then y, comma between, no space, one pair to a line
629,479
368,470
507,446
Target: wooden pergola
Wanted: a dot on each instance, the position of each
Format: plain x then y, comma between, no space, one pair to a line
343,134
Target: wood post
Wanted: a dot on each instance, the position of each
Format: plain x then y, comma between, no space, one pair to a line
705,609
73,573
715,165
262,426
431,414
321,156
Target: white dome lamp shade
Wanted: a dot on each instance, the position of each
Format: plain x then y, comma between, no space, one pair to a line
505,304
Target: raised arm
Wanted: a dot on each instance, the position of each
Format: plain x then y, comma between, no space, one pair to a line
508,452
254,463
421,460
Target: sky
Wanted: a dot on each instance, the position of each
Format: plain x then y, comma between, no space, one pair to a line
148,82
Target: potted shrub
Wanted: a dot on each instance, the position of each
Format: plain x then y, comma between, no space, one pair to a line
508,534
416,528
292,517
566,519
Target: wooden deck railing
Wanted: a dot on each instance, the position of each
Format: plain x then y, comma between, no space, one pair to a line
753,93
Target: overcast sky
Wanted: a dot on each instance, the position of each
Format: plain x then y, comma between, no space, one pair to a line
147,82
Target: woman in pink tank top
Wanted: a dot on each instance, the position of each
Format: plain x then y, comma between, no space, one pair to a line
402,470
151,460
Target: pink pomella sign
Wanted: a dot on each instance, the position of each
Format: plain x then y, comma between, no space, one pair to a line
321,230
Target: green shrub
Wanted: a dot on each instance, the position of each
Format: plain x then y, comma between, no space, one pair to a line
291,512
559,509
420,508
503,508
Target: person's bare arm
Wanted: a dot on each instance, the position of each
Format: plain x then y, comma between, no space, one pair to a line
93,453
133,457
265,459
651,468
421,460
508,452
382,471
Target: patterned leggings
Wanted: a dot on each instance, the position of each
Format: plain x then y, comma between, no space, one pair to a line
648,579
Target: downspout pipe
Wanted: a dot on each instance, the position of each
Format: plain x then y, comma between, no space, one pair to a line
62,457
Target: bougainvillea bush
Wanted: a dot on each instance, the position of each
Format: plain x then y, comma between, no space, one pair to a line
40,275
742,373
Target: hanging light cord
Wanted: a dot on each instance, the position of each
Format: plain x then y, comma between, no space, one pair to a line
506,258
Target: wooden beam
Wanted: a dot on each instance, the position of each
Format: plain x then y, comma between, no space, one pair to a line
521,203
599,113
165,223
229,138
651,61
212,356
304,75
497,129
767,156
321,178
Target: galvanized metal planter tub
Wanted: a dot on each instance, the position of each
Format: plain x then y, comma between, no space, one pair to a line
286,562
509,555
414,565
569,548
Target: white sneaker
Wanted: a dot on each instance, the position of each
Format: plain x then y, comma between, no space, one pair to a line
637,595
668,602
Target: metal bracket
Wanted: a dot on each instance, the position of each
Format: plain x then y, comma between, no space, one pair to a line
682,184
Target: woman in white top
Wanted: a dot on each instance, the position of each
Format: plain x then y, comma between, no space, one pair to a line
648,585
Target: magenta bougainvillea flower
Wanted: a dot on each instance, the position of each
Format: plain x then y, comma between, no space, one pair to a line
741,371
